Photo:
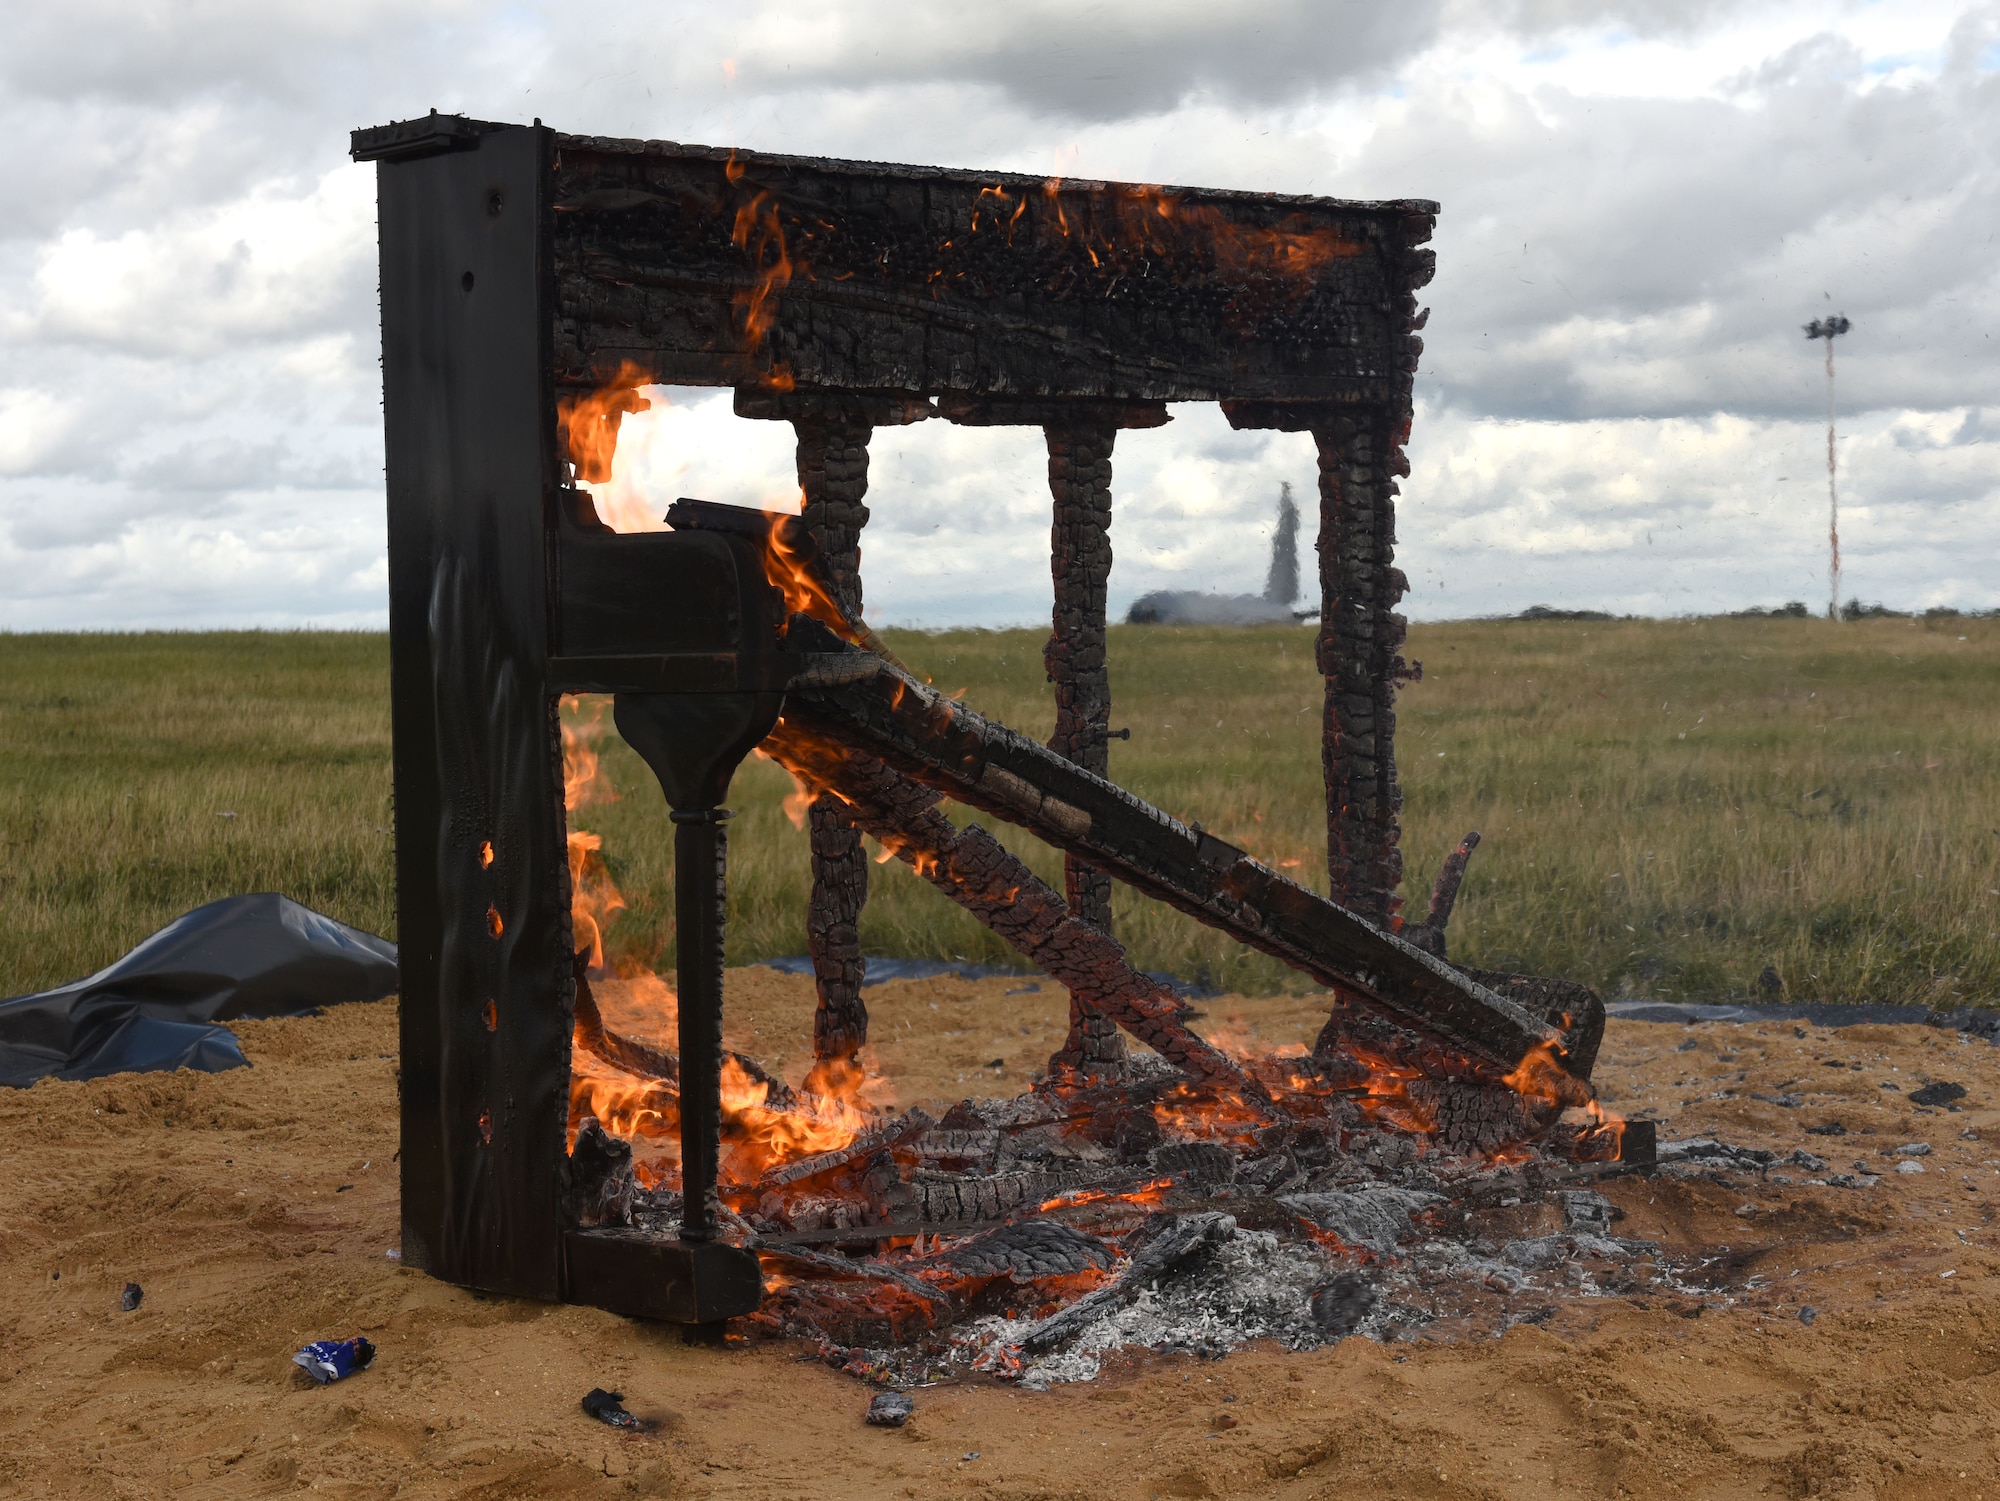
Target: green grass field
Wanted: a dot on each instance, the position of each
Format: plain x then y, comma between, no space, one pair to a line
1669,807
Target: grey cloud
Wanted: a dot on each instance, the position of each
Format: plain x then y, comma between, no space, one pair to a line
88,518
1090,62
219,464
86,48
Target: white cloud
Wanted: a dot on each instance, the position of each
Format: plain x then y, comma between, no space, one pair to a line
34,425
273,265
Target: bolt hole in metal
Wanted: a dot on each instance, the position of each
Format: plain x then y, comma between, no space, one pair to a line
465,281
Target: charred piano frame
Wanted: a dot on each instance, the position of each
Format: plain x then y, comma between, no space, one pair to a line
520,268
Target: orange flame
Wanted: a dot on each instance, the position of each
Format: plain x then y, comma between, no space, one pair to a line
836,1103
645,1112
589,423
591,429
759,230
839,1099
799,801
788,571
584,778
594,896
1540,1076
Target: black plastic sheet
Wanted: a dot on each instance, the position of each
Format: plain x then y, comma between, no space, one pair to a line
162,1006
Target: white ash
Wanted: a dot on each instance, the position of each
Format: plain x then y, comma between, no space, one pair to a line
1251,1286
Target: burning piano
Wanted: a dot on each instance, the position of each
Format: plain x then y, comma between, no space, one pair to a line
531,283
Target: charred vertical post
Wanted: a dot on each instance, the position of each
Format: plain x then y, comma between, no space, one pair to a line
694,743
1359,652
833,478
701,904
1080,561
833,429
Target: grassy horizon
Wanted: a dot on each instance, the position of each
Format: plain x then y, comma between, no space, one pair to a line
1669,807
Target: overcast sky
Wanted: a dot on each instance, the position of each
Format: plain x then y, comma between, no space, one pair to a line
1642,203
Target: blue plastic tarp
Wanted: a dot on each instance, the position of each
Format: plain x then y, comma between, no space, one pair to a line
162,1006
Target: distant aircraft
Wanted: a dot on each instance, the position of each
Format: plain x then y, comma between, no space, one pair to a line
1273,607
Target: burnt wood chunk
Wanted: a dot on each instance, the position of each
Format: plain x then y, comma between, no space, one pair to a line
1572,1008
601,1186
833,478
1080,564
1429,935
1360,655
1023,1253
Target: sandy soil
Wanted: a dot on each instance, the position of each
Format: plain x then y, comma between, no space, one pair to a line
257,1208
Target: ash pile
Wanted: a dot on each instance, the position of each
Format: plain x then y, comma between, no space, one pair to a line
1366,1187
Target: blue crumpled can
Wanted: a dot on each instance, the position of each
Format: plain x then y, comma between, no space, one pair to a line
332,1359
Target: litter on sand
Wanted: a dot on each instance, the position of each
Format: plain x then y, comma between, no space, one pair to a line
327,1360
609,1407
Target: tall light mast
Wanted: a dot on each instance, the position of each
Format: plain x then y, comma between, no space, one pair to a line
1830,329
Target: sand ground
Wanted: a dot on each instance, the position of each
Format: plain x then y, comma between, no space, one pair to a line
257,1209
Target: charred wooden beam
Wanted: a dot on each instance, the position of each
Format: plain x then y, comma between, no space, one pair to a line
954,750
646,1061
620,1051
1080,437
833,430
1360,655
1080,565
717,267
833,478
977,872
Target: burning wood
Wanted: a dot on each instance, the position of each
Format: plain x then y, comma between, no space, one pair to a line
956,752
978,873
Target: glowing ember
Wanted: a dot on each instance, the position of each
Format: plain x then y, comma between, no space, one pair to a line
1147,1195
1200,1115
